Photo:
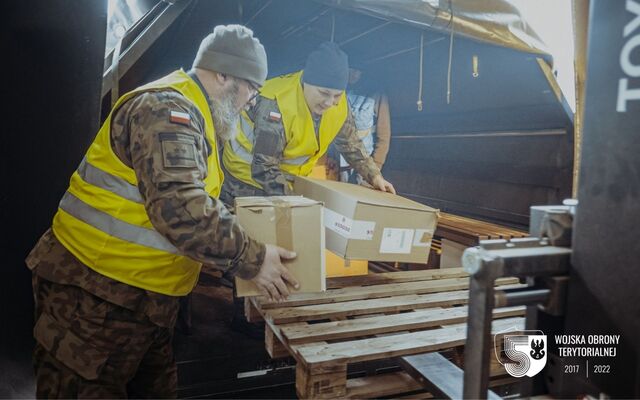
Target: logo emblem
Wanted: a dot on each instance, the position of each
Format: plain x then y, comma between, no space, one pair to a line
521,354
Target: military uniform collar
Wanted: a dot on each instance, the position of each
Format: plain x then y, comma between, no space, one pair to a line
192,75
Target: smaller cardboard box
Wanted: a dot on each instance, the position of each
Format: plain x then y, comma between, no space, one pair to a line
292,222
366,224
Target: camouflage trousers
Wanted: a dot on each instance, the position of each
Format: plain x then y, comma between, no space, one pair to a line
89,348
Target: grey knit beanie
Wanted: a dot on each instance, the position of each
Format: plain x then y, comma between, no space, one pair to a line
232,50
327,66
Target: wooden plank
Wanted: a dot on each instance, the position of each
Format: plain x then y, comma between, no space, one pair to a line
377,291
481,227
369,292
327,383
463,230
273,345
451,219
361,307
395,277
455,236
305,333
251,312
381,385
393,346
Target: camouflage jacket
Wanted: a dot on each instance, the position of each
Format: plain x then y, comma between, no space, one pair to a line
270,144
175,200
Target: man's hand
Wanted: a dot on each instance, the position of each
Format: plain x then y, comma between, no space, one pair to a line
273,276
381,184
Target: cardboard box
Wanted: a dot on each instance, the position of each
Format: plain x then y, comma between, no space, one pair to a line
338,266
292,222
366,224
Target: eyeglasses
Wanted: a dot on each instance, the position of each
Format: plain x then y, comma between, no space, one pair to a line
255,89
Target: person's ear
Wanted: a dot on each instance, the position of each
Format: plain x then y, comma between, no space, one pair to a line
221,78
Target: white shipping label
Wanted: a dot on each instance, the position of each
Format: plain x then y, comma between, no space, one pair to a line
363,230
423,238
396,241
338,223
348,228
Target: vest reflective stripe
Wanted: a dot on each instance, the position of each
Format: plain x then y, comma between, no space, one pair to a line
296,161
107,181
302,148
247,130
113,226
241,151
102,218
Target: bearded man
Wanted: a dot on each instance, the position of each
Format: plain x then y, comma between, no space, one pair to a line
140,217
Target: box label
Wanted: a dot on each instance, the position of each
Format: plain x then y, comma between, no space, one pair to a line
396,241
419,239
348,228
363,230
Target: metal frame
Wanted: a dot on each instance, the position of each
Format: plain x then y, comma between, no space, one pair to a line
529,257
140,38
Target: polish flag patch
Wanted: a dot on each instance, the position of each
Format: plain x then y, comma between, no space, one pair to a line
178,117
274,116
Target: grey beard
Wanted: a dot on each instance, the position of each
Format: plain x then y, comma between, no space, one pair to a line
225,115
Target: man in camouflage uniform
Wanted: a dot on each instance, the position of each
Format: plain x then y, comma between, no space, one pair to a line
105,317
323,82
317,93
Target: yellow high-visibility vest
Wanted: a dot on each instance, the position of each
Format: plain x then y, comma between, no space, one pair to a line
101,218
302,149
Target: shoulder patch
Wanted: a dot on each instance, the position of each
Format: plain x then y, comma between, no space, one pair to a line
274,116
178,150
178,117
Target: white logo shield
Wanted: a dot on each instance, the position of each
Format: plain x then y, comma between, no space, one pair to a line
527,354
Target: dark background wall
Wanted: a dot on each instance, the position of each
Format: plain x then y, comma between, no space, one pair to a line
52,54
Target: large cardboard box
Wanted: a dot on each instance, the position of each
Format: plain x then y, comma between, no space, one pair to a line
292,222
367,224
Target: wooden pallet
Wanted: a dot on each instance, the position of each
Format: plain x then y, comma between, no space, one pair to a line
367,320
469,231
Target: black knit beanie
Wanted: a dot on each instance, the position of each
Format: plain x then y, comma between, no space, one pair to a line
328,67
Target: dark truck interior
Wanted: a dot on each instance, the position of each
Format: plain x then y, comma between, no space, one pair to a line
504,135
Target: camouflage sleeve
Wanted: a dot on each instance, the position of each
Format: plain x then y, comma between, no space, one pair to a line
169,160
350,146
268,148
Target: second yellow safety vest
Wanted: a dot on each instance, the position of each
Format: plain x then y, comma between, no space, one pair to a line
302,149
